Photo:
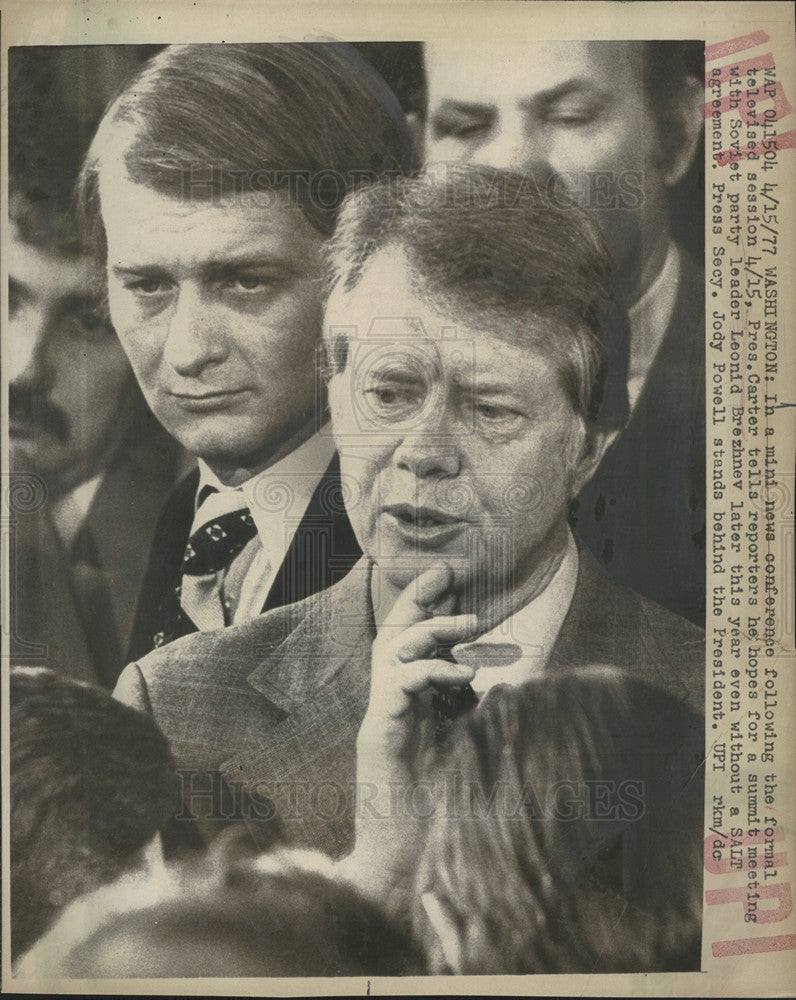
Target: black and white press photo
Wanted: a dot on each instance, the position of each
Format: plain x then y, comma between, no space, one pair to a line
358,523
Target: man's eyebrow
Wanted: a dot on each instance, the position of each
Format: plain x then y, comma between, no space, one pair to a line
391,371
283,265
579,86
215,268
121,269
473,108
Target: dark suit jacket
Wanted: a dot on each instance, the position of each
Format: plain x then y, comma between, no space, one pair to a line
643,513
323,550
263,718
50,627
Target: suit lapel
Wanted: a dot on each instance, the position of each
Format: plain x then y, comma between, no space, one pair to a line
323,549
595,629
123,520
165,558
47,630
303,763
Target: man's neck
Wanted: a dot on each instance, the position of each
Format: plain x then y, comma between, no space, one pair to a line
651,264
237,472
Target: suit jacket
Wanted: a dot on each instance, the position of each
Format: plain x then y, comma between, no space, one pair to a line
643,513
52,626
263,718
322,551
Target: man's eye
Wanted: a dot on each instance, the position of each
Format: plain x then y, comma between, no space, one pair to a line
463,129
494,416
146,286
393,400
88,324
572,117
248,282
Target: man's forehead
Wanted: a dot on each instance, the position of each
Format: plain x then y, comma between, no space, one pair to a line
494,72
53,273
391,302
147,226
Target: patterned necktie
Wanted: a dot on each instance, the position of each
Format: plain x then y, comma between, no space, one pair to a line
210,549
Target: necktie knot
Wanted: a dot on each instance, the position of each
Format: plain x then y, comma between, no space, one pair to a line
213,546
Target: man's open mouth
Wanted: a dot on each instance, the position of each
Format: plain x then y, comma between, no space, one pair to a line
420,517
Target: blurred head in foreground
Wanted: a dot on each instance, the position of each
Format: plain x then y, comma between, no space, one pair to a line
571,834
281,915
92,782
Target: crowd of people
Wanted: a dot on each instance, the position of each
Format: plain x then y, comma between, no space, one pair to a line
357,630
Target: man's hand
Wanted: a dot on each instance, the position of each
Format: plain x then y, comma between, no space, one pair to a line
404,659
391,817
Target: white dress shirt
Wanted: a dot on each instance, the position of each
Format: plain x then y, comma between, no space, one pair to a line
519,648
649,321
71,510
278,499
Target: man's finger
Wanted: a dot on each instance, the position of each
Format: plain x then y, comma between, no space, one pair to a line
417,601
418,676
422,639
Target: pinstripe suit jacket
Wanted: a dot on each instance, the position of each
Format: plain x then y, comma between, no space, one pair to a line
263,717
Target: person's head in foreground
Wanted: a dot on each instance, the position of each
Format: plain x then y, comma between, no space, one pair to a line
283,914
567,836
91,784
471,390
214,179
614,124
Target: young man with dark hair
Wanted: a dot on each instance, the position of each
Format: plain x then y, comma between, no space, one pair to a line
470,401
214,179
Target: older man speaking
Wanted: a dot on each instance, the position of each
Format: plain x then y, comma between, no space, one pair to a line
470,402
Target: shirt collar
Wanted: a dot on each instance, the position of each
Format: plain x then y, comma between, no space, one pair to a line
70,511
520,646
283,490
651,315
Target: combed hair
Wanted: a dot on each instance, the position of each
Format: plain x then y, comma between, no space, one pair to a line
91,780
535,889
494,251
207,121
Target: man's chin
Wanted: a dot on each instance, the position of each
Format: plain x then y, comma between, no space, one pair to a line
399,573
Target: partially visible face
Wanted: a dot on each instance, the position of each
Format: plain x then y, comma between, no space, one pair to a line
455,444
218,306
70,385
573,112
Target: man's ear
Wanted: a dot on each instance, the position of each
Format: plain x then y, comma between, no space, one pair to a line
594,444
689,123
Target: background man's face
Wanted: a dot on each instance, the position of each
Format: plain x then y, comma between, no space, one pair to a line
455,442
575,111
218,306
70,382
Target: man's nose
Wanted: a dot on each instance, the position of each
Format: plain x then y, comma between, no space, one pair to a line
431,450
515,145
195,338
29,347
